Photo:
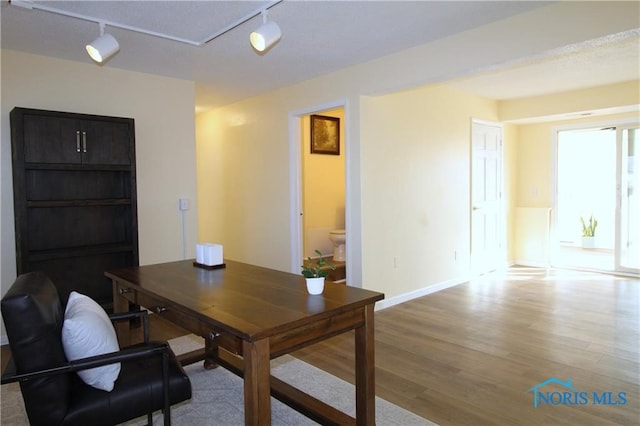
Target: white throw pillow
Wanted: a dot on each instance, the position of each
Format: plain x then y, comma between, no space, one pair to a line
87,331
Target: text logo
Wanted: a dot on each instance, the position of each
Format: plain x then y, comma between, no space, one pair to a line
571,396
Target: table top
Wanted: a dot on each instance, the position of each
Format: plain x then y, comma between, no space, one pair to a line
249,301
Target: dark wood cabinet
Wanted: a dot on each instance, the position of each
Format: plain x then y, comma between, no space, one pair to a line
75,204
54,139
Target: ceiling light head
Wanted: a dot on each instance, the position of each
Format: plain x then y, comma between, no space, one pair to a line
104,47
266,36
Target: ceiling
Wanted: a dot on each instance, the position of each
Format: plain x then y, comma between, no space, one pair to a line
319,37
595,63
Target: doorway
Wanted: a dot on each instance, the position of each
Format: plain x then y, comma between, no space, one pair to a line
628,206
320,189
323,188
596,199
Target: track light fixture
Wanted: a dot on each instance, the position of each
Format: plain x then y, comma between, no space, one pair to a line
104,47
266,36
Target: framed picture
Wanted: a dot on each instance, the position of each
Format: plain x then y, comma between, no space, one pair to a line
325,135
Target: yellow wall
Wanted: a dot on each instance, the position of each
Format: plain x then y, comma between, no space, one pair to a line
415,168
243,181
510,195
163,109
604,98
534,166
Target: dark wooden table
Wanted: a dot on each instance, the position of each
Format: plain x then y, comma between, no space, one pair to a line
249,315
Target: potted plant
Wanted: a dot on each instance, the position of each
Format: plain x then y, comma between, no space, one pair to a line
589,232
315,273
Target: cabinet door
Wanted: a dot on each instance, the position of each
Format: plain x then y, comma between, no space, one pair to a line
106,142
50,139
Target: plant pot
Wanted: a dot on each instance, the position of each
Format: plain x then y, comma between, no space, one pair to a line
315,285
588,242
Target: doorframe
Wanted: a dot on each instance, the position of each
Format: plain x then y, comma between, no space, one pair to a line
619,185
553,237
352,221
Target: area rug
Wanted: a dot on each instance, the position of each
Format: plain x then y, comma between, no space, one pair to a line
218,396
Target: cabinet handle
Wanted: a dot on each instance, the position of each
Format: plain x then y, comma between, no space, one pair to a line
161,309
84,141
124,290
77,140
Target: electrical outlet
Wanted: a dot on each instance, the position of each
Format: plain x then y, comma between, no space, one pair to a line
183,204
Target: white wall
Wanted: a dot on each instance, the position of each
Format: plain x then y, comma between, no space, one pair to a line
163,110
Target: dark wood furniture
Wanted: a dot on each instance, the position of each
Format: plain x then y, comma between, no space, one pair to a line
248,315
74,184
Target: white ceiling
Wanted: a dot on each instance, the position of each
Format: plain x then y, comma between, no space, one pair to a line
319,37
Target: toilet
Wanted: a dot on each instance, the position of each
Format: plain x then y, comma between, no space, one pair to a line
338,239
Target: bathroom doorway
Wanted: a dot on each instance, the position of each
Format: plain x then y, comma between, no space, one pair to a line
320,188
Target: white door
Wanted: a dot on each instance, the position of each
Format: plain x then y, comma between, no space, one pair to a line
486,196
628,206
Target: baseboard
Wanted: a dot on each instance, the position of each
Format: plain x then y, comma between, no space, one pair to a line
532,264
396,300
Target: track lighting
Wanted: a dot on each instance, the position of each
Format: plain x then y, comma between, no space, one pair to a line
104,47
265,36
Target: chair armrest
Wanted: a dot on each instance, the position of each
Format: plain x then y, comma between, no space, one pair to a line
131,315
143,351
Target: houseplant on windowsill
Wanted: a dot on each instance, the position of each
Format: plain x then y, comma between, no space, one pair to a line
315,273
588,232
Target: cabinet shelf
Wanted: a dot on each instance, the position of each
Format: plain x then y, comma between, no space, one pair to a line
78,203
78,167
40,255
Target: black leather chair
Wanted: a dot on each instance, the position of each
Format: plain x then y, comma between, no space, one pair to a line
150,378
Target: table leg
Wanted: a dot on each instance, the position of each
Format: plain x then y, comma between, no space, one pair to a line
365,371
211,352
257,382
121,305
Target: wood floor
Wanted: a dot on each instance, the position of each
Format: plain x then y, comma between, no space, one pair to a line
469,355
